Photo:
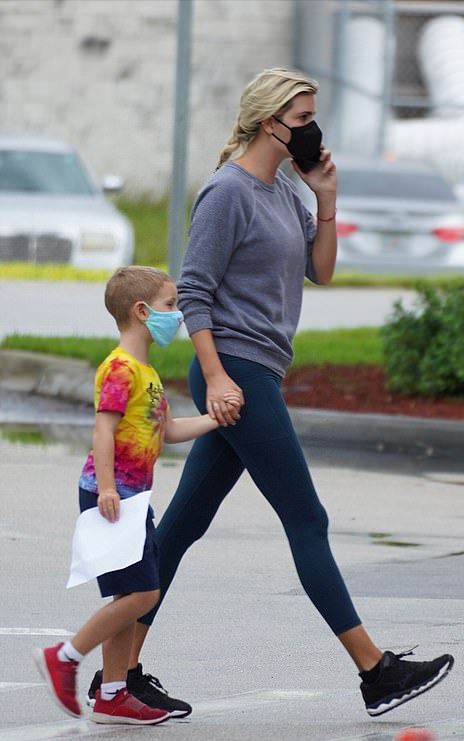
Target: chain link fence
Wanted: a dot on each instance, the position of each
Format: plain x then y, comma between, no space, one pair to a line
391,76
412,96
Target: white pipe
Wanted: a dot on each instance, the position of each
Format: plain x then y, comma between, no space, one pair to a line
440,138
435,140
441,57
364,61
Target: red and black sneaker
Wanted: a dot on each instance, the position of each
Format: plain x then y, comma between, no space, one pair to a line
60,678
146,688
125,708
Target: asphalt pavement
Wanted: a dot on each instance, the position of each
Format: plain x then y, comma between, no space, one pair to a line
68,308
236,636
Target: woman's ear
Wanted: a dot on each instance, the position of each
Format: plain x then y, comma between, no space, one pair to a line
268,125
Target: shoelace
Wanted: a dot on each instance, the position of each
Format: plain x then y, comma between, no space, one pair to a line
409,652
155,682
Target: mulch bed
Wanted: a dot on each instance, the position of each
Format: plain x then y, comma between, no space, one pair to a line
361,388
356,388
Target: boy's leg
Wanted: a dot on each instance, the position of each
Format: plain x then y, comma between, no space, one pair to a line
59,667
116,652
113,618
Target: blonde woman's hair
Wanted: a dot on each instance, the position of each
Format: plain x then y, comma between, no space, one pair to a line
129,285
270,93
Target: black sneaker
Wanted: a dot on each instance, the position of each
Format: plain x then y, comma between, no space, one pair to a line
399,681
147,689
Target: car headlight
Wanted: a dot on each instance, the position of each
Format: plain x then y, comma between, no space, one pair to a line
97,242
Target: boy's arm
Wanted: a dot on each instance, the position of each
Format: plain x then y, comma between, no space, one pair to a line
103,452
181,429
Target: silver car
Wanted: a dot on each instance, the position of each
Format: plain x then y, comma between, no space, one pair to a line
51,210
395,217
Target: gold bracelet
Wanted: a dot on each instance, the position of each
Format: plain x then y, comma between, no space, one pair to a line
331,218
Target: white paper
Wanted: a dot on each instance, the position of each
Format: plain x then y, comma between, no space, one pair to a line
100,546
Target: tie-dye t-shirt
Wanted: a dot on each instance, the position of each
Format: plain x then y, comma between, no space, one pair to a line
124,385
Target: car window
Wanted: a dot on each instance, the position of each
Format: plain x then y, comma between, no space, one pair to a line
403,185
43,172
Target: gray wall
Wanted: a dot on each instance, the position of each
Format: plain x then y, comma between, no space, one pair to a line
101,73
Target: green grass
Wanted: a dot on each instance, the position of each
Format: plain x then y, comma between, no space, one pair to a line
51,272
25,437
341,346
150,222
171,362
361,345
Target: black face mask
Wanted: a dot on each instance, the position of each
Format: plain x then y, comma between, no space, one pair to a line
304,145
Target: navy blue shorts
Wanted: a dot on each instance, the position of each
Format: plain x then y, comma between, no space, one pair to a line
138,577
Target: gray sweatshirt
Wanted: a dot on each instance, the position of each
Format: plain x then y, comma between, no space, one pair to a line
249,248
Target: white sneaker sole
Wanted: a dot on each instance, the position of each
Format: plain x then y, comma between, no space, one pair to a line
396,701
121,720
39,658
172,713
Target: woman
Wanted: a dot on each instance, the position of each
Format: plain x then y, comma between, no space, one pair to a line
251,244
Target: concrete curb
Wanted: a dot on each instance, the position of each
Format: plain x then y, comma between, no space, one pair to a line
47,375
73,380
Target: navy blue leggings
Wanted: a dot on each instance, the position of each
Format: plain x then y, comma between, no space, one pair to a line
264,442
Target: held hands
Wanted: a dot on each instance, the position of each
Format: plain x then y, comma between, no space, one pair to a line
108,504
322,179
224,400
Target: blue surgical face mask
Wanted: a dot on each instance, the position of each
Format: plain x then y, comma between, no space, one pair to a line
163,325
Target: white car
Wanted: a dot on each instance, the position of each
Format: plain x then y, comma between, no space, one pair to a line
52,211
395,217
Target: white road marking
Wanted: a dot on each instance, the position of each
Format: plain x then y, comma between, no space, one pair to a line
446,730
449,729
251,699
6,686
64,729
35,632
80,729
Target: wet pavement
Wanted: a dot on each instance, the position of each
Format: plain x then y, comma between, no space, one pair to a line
237,636
30,416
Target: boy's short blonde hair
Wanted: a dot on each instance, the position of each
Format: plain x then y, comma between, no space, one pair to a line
129,285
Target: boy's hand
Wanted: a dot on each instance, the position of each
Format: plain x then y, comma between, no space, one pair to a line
108,504
234,399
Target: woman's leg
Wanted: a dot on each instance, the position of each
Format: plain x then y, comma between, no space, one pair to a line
267,445
211,470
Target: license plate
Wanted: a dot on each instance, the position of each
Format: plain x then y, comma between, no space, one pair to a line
392,241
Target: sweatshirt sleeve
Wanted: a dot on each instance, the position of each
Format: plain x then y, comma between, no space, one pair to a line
220,218
309,226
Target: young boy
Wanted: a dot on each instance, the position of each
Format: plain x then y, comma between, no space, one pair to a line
132,421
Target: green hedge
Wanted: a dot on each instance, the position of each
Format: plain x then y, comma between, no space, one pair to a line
424,348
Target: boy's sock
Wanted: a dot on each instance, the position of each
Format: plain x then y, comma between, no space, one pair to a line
108,690
67,652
